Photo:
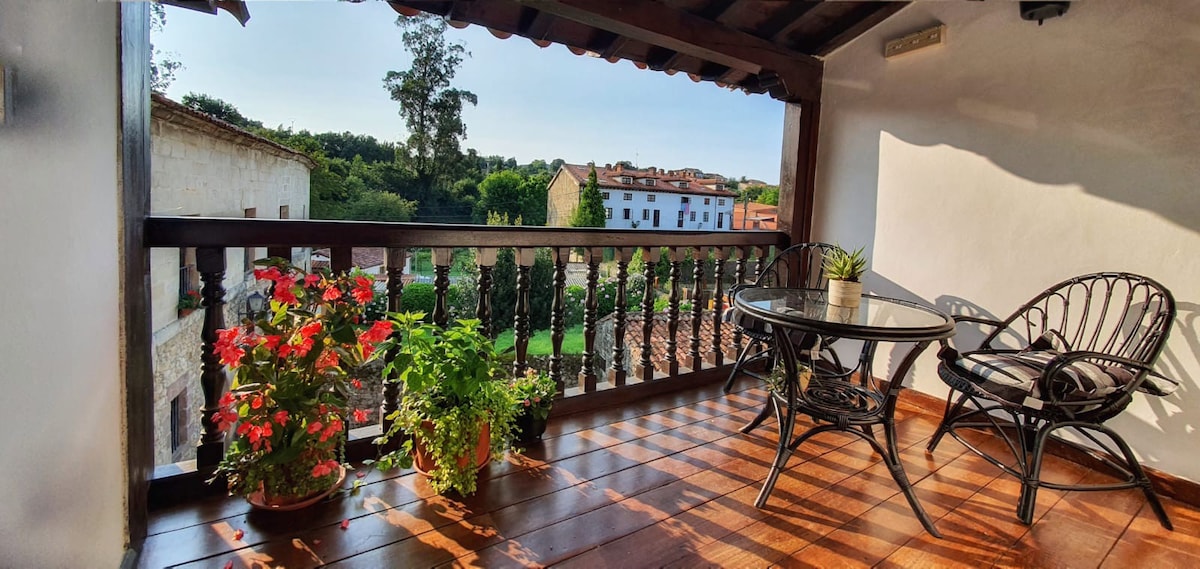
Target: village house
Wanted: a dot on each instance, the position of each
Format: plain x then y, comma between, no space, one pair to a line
645,198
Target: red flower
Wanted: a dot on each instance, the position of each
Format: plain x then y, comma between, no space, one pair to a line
356,383
304,347
257,402
363,290
227,348
328,359
311,280
526,402
285,295
361,415
285,350
268,274
224,419
271,341
332,293
227,399
308,330
378,332
281,417
314,426
321,469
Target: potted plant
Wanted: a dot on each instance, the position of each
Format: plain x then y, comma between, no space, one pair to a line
287,405
534,394
188,302
844,269
455,407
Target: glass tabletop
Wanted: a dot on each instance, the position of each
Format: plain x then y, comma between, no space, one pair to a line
877,318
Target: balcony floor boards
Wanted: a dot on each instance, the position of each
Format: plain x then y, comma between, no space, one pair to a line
669,482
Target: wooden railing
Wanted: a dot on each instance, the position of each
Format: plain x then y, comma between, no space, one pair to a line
212,236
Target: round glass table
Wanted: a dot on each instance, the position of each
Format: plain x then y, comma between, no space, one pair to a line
850,401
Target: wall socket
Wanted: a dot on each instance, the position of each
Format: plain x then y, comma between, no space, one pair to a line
913,42
6,94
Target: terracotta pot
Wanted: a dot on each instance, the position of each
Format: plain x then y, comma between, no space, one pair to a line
845,293
288,503
423,459
529,429
185,311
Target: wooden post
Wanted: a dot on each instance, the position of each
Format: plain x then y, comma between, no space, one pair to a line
524,257
443,257
645,368
716,353
210,262
699,257
485,258
587,374
341,259
558,315
616,372
797,175
671,362
391,384
739,277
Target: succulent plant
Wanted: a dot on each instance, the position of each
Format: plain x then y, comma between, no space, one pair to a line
841,265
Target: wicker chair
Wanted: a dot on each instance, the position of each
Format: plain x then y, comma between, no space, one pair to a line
1088,344
798,266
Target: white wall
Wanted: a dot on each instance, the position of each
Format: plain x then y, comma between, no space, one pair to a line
669,207
981,172
61,430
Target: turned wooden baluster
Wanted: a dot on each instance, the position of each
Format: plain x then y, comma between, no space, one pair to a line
760,263
558,315
486,259
587,373
645,367
739,277
699,255
524,258
210,262
341,259
671,363
616,371
716,354
391,383
443,257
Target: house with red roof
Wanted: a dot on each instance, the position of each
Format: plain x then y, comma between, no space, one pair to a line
647,198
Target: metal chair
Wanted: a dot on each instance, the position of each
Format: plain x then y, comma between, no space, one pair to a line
798,266
1086,345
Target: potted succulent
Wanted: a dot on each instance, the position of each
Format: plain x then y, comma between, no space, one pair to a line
287,406
844,269
534,394
456,407
188,302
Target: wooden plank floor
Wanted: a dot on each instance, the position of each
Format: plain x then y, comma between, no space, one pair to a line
669,482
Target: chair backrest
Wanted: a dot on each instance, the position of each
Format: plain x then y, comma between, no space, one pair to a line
1118,314
798,266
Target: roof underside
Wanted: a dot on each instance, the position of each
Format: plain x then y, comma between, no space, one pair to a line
760,46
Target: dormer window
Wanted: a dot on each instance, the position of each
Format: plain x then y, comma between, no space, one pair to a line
625,179
681,185
720,187
648,181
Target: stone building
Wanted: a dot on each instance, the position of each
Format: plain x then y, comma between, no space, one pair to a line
202,166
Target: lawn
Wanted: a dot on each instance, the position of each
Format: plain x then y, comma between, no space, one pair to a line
539,344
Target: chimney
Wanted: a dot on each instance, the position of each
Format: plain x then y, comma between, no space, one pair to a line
608,166
620,168
653,170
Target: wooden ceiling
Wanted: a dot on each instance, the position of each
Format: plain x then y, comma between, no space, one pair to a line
760,46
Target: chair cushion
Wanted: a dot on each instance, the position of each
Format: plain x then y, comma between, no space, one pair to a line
1013,376
746,322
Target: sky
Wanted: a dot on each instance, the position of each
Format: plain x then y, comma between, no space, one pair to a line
320,65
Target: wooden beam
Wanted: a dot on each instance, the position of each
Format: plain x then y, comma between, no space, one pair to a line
797,175
882,11
136,335
715,9
784,20
661,25
534,23
658,57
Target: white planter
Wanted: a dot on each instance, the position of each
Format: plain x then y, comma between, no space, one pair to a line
845,293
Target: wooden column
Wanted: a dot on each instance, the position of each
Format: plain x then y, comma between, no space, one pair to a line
797,175
671,362
558,315
760,263
341,259
699,256
391,383
210,262
716,352
524,258
442,259
587,373
485,258
617,372
645,367
739,277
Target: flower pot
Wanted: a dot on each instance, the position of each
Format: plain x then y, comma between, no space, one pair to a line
423,460
262,501
841,314
185,311
845,293
528,428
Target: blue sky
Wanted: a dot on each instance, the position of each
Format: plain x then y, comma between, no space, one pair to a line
320,65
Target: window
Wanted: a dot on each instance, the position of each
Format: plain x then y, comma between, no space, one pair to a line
681,219
683,199
645,214
647,181
656,216
608,213
626,179
284,212
650,197
681,185
707,201
720,202
693,216
720,221
628,196
720,187
178,422
626,213
604,195
706,217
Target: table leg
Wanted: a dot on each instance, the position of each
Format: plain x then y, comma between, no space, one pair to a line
892,456
787,422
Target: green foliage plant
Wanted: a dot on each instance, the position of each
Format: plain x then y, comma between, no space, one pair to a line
590,211
453,384
533,394
842,265
189,300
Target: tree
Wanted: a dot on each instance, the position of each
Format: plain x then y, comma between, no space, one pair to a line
769,196
219,109
162,65
432,110
380,206
590,211
500,193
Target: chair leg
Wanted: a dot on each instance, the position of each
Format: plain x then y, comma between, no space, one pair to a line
1143,481
737,365
1034,446
762,416
948,416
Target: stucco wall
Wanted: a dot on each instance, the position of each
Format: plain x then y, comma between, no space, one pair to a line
61,433
981,172
561,199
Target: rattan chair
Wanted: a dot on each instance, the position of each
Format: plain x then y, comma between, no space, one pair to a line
798,266
1071,358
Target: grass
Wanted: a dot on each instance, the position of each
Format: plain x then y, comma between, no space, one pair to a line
539,343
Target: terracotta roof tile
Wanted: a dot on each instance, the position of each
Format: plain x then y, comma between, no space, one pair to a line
609,179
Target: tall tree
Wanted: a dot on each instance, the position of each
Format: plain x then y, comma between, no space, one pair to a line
162,65
431,108
590,211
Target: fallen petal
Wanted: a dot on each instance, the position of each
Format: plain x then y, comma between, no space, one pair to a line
229,564
361,474
345,523
237,536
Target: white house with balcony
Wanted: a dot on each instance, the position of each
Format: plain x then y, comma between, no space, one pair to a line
645,198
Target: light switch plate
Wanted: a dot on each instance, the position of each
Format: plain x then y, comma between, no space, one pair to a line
912,42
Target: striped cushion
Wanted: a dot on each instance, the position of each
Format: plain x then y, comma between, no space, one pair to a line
1013,376
746,322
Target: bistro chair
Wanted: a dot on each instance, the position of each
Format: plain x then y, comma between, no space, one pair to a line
798,266
1084,347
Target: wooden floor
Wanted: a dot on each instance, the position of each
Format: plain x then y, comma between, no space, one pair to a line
670,482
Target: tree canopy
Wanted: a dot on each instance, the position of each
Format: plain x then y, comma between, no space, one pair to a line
590,211
219,109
